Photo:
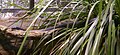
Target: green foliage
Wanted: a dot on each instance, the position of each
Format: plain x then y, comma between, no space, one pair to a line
97,34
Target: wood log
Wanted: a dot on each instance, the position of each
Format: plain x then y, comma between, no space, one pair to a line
20,33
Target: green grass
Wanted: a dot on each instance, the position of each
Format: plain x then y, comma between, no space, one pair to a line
98,32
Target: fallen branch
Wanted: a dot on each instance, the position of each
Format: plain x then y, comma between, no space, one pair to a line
19,33
15,32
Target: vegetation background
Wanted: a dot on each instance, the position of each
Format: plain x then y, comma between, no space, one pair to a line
90,27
